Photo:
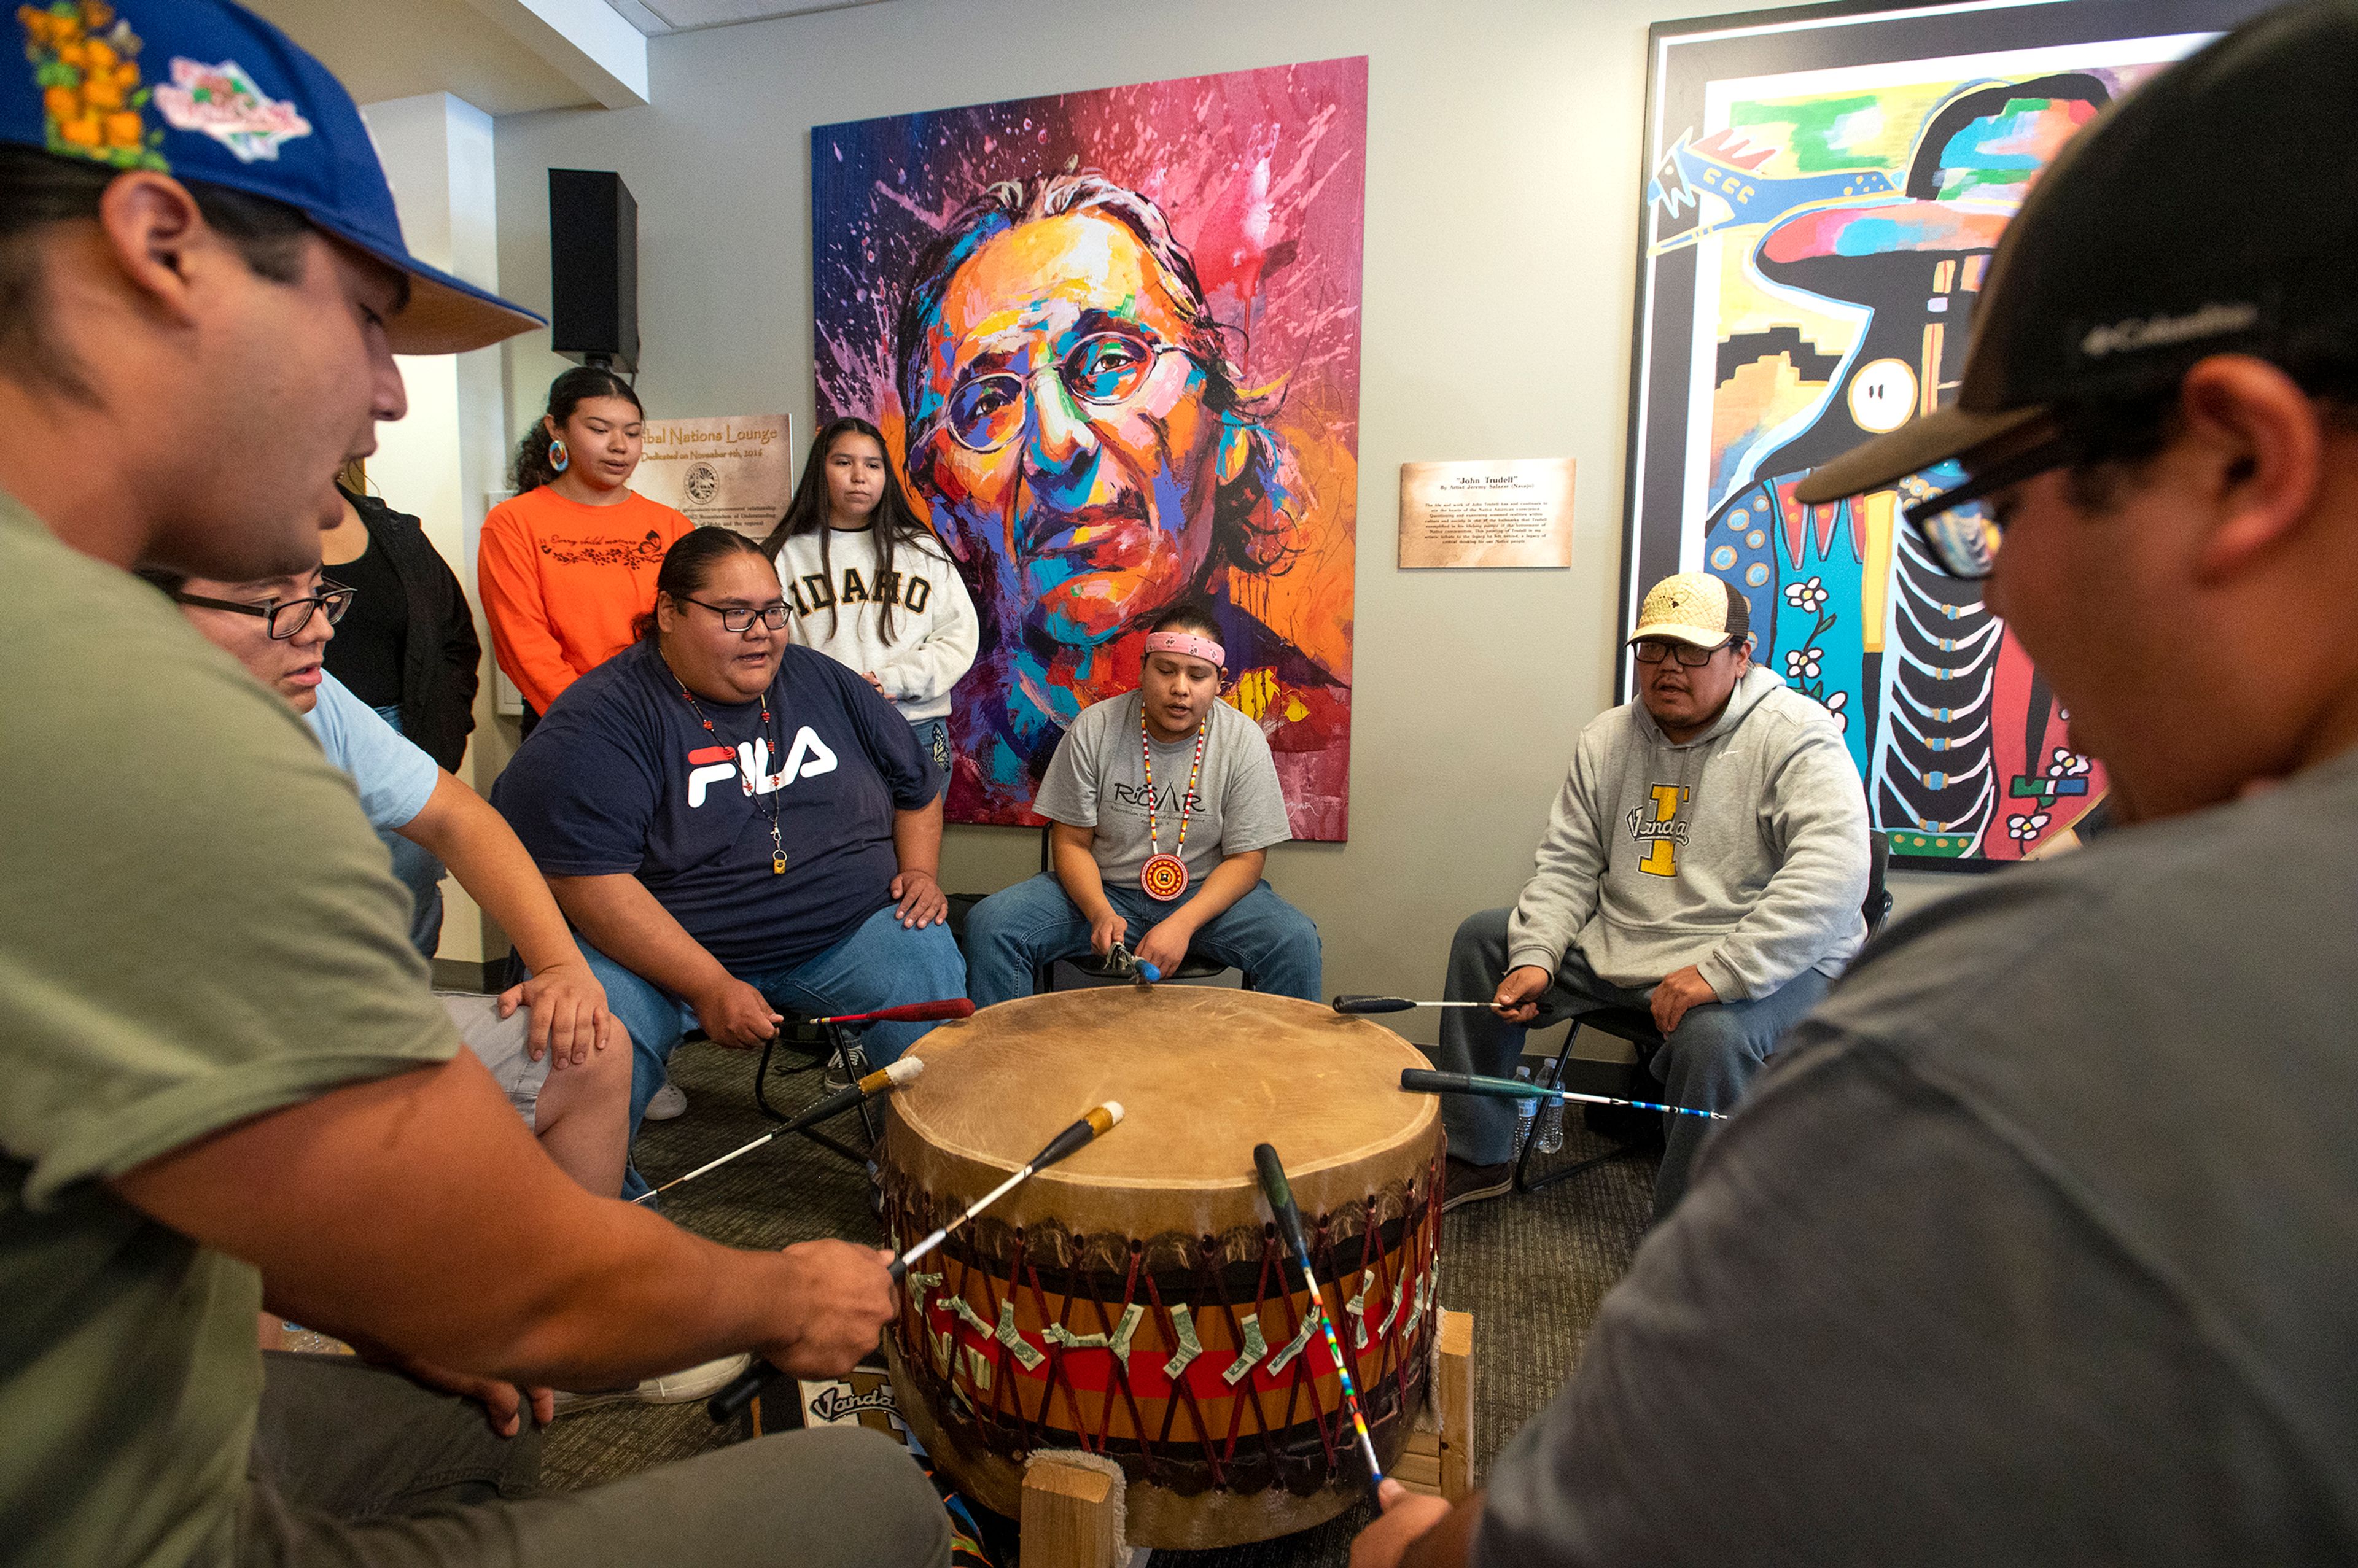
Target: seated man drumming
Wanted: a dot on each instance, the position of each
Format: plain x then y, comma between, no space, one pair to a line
549,1043
1160,804
1706,862
735,825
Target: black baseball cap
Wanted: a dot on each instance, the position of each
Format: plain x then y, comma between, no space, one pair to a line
207,92
2215,211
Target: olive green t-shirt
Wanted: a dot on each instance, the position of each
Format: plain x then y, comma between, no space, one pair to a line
197,927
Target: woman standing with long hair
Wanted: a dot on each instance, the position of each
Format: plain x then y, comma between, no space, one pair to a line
567,564
871,586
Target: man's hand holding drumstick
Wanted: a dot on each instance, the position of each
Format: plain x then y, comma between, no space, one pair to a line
837,1299
735,1014
1107,928
1518,997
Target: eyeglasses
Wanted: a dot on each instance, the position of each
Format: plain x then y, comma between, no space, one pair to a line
1962,534
734,619
986,412
1653,651
286,617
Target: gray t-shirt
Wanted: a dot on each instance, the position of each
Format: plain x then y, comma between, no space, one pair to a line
1097,779
2037,1243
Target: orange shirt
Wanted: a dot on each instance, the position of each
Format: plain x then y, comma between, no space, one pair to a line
563,582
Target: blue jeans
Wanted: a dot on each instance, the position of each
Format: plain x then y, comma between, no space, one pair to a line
1706,1063
882,964
934,740
416,869
1011,934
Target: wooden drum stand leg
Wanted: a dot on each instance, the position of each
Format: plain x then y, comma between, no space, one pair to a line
1072,1508
1438,1458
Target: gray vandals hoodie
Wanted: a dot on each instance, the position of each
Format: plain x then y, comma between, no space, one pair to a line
1743,852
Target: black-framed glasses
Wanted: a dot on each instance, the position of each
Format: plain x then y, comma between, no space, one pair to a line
739,619
1654,650
286,616
986,412
1961,530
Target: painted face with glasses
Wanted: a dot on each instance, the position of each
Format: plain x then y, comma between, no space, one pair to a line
276,627
1064,426
725,639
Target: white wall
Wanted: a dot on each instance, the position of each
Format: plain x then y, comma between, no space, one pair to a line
437,463
1502,232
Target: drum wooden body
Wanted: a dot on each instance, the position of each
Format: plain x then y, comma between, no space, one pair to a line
1135,1300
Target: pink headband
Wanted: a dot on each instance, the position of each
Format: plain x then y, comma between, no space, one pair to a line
1187,643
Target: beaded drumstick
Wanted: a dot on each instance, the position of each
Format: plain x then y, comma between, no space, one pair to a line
1280,1193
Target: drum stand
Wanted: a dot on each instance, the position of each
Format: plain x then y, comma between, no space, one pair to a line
1074,1503
838,1051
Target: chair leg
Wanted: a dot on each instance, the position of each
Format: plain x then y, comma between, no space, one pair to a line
1523,1182
838,1051
843,1058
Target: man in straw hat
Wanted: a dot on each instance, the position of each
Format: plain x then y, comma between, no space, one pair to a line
227,1081
1706,863
2036,1245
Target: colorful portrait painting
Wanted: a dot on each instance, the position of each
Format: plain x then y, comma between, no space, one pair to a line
1822,200
1113,340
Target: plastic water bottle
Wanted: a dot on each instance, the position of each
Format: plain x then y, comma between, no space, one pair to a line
1525,1109
1550,1132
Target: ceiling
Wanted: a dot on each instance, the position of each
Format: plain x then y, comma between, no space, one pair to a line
397,49
655,17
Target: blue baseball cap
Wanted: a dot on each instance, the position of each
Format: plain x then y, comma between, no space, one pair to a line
207,91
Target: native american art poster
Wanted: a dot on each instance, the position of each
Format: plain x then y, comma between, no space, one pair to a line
1824,191
1112,340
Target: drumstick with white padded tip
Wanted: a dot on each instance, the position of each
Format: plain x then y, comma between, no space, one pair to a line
1427,1081
1094,1125
724,1405
1279,1194
899,1074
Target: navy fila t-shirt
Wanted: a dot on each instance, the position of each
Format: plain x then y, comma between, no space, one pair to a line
620,778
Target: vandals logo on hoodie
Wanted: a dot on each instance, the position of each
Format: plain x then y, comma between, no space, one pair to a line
1657,826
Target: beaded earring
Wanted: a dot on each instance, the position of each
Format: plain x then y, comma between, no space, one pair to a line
558,457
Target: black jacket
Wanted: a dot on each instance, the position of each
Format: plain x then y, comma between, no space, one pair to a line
442,658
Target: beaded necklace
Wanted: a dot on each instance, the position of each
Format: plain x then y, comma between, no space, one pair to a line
1164,877
745,780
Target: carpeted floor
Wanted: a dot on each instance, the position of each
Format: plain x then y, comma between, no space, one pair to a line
1531,1269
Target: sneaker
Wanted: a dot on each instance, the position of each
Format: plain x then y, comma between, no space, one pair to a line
671,1389
859,1068
668,1104
1469,1182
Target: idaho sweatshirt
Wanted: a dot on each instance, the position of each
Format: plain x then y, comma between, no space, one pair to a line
1743,852
839,604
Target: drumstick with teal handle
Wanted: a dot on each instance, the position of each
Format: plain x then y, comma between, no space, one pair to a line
1427,1081
1279,1194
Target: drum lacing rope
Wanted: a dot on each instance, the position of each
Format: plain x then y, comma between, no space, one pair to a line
1181,1391
1057,1350
1242,1383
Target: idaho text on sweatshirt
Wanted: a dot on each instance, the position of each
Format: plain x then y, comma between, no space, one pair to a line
1743,852
839,604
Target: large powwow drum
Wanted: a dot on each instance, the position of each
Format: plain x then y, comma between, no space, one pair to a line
1136,1301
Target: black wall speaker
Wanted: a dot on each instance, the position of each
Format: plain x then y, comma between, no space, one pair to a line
593,266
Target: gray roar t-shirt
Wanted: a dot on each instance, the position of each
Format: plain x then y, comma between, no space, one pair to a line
1097,780
2034,1244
